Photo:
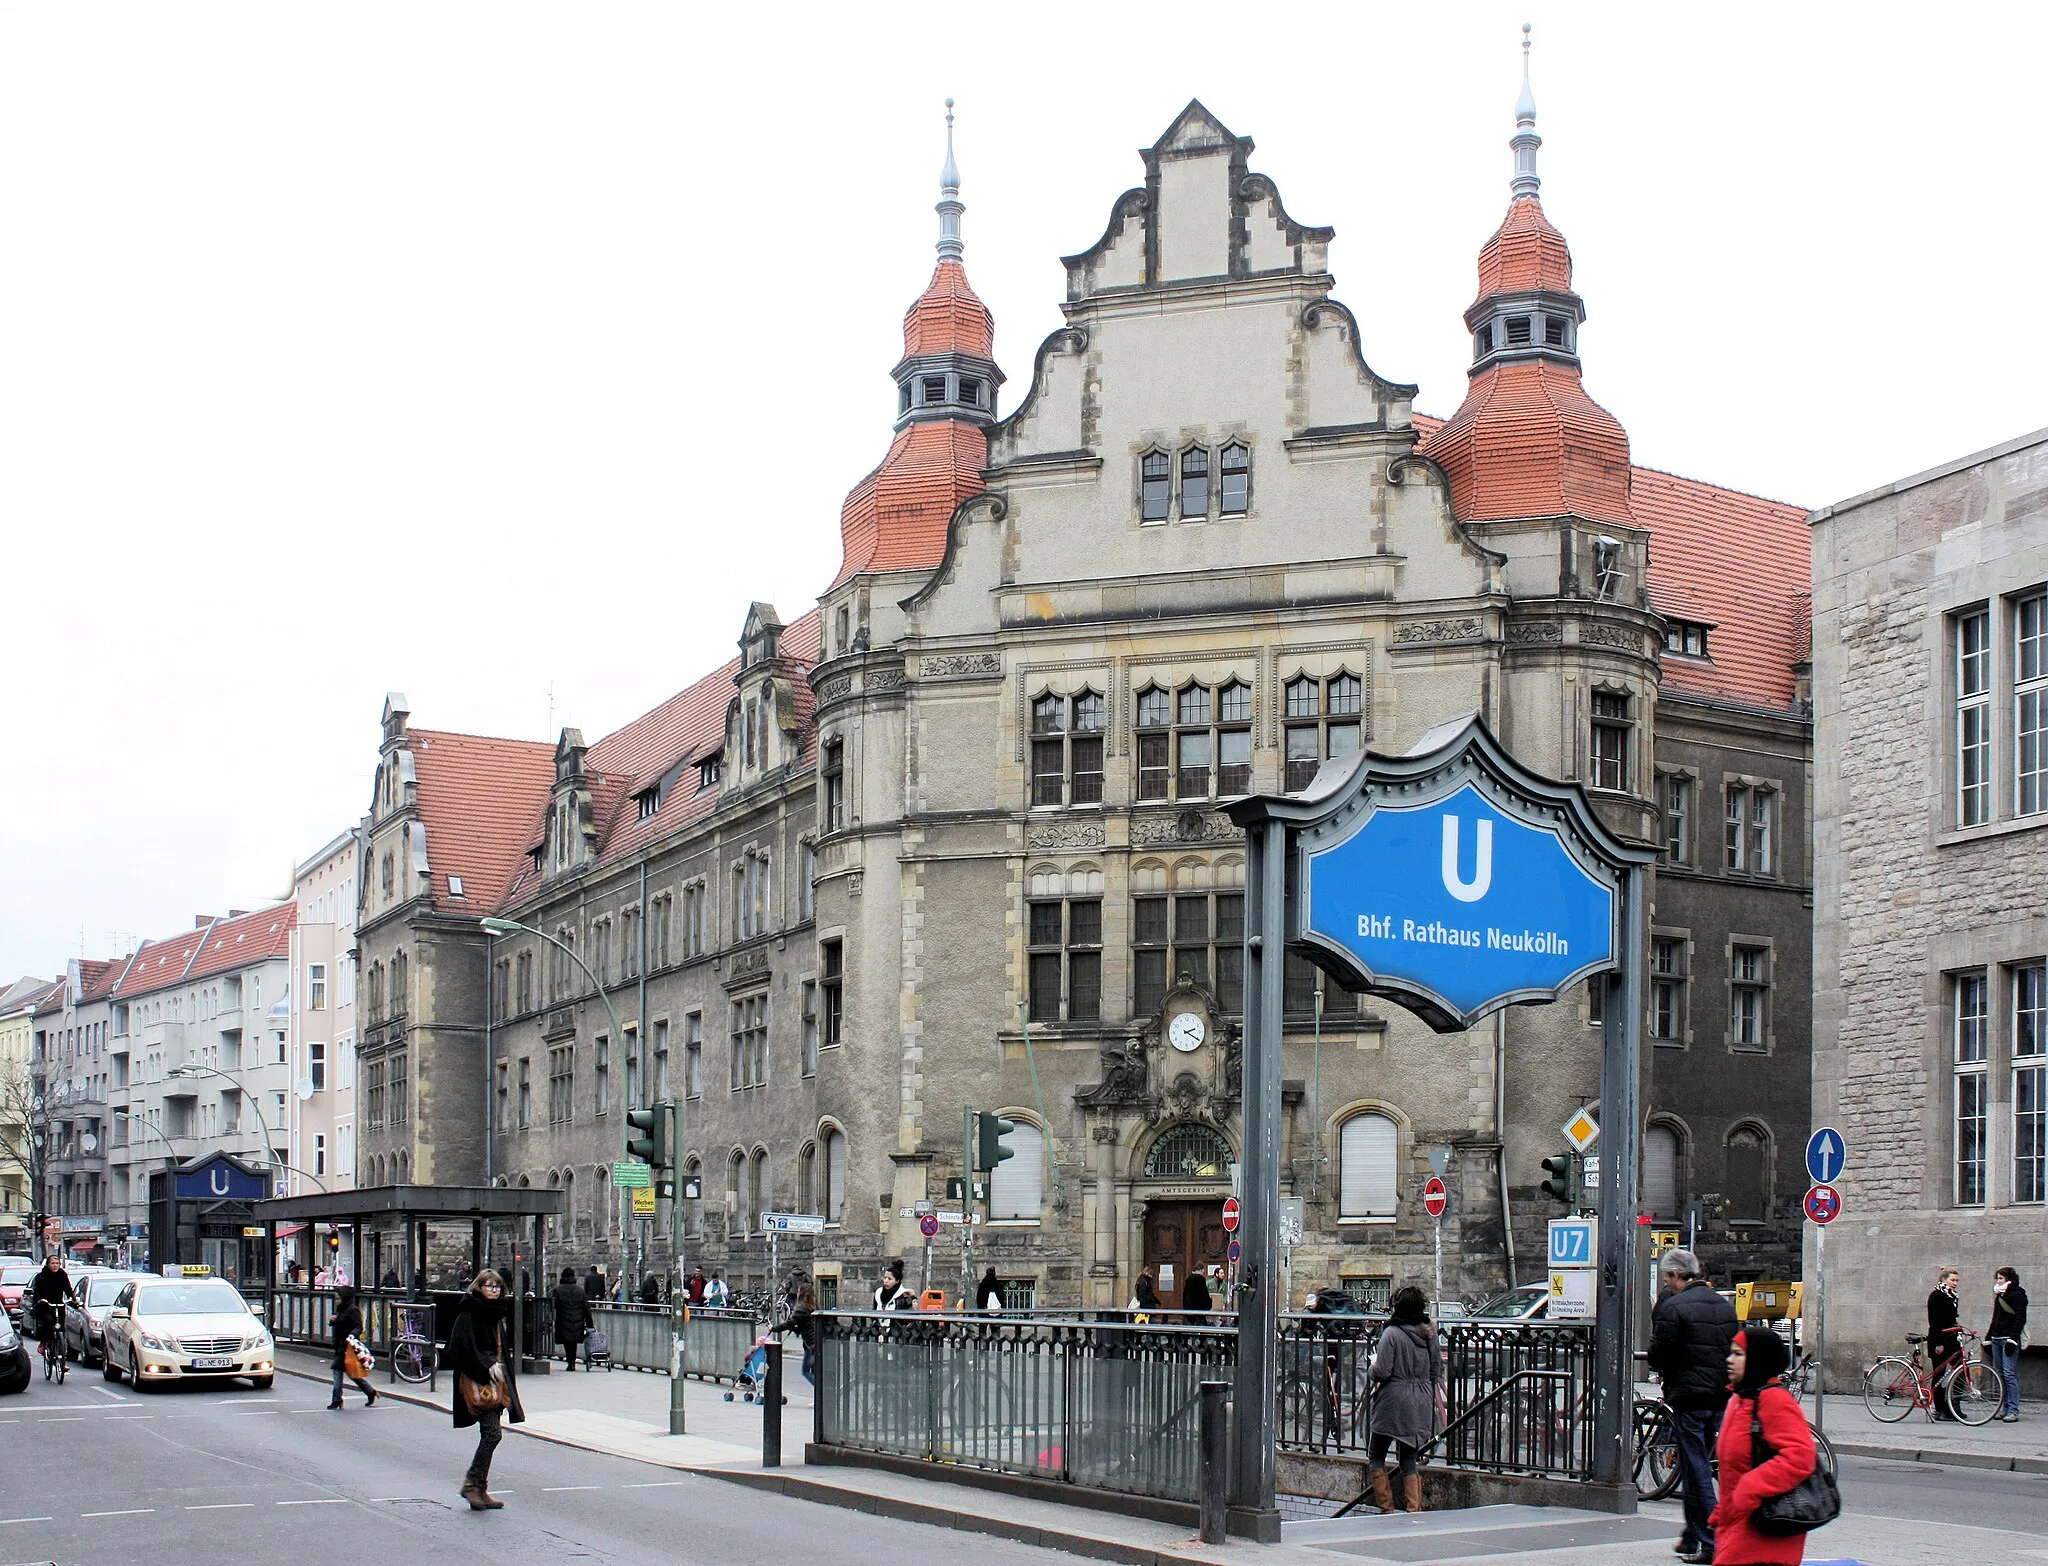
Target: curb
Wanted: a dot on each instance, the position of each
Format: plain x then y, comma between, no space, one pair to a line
1941,1459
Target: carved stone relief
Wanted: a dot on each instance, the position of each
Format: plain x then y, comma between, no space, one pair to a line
1467,629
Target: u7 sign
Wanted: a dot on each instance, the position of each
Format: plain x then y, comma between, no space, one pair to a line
1574,1242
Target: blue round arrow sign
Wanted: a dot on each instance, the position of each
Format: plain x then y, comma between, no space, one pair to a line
1826,1156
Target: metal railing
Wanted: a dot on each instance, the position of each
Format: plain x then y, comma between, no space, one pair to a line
1517,1395
1098,1405
715,1345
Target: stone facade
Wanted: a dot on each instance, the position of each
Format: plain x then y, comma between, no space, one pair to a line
1931,849
952,839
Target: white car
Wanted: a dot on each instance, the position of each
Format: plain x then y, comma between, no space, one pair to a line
180,1329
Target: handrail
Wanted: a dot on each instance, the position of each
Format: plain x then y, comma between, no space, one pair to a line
1437,1439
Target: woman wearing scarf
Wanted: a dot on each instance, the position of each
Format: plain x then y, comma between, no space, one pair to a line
478,1353
1754,1469
2002,1341
1406,1370
1944,1334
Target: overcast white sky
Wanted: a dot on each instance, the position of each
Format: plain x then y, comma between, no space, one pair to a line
489,351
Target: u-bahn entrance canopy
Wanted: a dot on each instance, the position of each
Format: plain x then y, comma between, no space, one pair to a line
1454,882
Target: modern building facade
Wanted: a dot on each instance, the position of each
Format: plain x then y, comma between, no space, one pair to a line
952,839
1931,845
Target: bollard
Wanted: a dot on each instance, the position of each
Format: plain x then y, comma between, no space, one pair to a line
1215,1480
771,1405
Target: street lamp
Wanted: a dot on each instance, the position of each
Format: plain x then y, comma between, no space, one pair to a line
676,1293
170,1161
269,1152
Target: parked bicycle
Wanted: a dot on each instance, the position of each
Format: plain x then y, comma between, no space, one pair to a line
412,1351
1657,1469
1896,1385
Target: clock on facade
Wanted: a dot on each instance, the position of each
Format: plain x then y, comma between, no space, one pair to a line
1187,1031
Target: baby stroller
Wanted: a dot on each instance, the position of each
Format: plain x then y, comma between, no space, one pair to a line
597,1349
751,1382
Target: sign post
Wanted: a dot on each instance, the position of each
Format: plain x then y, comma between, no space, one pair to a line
1455,882
1436,1201
1827,1155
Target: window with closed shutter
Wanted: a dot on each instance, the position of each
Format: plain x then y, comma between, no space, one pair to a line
1016,1188
1365,1171
1660,1171
835,1176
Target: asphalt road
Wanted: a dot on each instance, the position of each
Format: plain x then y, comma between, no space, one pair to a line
94,1473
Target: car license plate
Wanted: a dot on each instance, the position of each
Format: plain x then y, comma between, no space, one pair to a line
212,1362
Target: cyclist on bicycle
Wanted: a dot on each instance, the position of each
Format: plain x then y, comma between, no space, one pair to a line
47,1295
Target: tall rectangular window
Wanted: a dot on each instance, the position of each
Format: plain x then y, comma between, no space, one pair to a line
1972,1001
316,986
749,1042
1197,935
602,1067
832,805
693,1054
2030,704
1735,836
1762,845
1066,960
561,1084
832,993
2030,1083
808,1022
659,1086
1066,749
1154,712
1973,717
1155,487
1667,991
1678,820
1749,996
316,1063
1613,733
1194,483
1237,480
401,1091
1324,721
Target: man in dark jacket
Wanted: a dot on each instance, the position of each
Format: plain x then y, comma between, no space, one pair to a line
1690,1331
594,1289
572,1316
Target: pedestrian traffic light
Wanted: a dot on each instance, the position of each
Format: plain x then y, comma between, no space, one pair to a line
990,1148
1557,1183
647,1134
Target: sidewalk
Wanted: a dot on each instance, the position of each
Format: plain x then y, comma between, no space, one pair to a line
624,1413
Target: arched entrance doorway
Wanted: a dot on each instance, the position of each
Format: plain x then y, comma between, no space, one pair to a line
1183,1226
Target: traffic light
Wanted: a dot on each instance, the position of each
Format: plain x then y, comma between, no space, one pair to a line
1557,1182
989,1146
647,1134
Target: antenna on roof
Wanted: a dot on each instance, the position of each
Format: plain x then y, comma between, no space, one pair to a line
949,208
1525,141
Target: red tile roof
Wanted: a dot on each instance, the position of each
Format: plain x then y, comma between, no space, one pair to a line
1528,442
477,798
1524,253
157,965
1741,565
949,317
97,979
896,517
248,938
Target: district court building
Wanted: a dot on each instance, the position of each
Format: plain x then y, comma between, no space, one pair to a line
952,836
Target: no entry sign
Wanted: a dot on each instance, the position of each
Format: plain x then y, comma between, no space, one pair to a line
1434,1197
1231,1212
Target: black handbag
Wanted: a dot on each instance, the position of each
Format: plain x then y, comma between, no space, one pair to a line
1812,1503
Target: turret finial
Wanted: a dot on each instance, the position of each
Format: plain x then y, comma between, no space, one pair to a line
1525,140
950,206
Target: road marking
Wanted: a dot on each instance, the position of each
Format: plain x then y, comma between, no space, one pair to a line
120,1417
221,1506
140,1511
332,1500
61,1419
103,1392
4,1521
657,1484
550,1489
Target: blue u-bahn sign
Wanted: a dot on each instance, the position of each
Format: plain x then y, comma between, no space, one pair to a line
1458,882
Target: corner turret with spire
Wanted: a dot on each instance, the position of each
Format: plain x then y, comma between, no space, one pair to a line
948,369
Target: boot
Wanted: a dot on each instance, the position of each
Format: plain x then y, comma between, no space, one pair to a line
473,1492
1411,1491
1382,1492
491,1502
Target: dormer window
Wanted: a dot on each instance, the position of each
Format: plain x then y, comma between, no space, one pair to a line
1554,329
1482,342
649,801
707,773
1518,330
934,389
1687,638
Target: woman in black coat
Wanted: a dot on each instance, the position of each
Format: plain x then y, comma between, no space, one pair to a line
1944,1334
480,1352
572,1316
347,1323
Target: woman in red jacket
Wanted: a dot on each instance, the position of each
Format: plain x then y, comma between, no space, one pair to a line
1755,1361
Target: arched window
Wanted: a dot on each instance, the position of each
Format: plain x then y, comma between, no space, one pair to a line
1237,479
1366,1187
736,1193
1194,482
1016,1187
1155,487
807,1178
764,1188
693,1208
1748,1176
835,1176
1188,1152
1661,1195
569,1203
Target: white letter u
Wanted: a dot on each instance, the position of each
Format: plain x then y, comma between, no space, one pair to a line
1482,873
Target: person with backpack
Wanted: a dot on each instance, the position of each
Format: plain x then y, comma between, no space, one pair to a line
347,1323
1766,1449
572,1316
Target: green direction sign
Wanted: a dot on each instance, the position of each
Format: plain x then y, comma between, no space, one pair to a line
631,1172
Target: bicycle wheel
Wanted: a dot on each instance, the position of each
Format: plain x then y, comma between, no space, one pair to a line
1824,1452
1891,1389
1656,1456
1975,1393
411,1360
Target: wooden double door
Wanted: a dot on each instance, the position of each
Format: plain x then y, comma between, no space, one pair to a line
1182,1238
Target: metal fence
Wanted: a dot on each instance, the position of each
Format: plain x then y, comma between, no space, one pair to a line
1105,1406
1517,1395
715,1345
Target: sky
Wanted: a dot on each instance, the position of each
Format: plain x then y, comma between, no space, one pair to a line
501,354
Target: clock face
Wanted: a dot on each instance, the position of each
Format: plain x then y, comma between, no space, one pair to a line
1186,1032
